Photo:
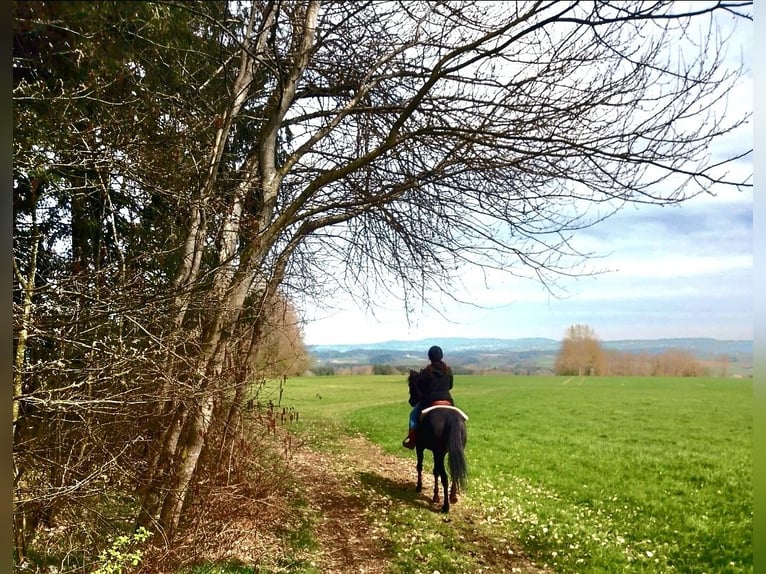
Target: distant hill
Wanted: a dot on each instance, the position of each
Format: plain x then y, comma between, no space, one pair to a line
447,343
701,347
527,355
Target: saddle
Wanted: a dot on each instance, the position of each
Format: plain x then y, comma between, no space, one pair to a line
441,405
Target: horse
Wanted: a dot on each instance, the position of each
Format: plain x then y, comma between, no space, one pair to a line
443,432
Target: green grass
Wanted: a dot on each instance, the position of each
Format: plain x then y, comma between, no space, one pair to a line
589,475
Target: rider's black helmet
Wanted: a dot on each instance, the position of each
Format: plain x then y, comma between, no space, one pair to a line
435,354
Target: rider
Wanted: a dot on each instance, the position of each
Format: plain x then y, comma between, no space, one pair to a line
436,384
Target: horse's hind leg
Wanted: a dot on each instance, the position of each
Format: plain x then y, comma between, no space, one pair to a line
419,486
436,498
453,493
440,475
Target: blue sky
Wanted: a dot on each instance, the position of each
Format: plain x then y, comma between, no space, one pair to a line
672,271
683,271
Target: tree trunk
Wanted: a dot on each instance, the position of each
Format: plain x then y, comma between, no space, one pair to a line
27,286
186,464
231,286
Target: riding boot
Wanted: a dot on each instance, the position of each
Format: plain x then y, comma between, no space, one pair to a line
409,442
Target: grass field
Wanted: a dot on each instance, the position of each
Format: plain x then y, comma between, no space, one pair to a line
589,475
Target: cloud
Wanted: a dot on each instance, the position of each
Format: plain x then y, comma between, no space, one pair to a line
678,272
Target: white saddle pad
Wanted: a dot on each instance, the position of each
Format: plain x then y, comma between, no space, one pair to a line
433,408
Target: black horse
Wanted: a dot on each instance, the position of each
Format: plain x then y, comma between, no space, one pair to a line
443,432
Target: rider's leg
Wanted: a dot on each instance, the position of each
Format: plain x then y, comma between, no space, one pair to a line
409,442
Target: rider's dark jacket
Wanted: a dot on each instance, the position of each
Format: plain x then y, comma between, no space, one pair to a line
435,383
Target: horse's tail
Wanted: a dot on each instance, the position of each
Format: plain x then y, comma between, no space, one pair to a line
456,439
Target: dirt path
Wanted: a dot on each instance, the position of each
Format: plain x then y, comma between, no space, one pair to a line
345,495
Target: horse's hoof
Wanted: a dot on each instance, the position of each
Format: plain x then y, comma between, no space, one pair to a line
453,499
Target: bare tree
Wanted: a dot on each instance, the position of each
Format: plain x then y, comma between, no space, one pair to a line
670,363
581,353
388,146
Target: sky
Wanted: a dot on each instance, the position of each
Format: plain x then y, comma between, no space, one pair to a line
683,271
668,271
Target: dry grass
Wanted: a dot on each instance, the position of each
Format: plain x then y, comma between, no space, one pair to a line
250,523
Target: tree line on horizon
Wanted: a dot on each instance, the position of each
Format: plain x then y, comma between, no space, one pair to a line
582,354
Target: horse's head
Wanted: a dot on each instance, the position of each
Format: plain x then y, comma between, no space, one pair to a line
415,393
